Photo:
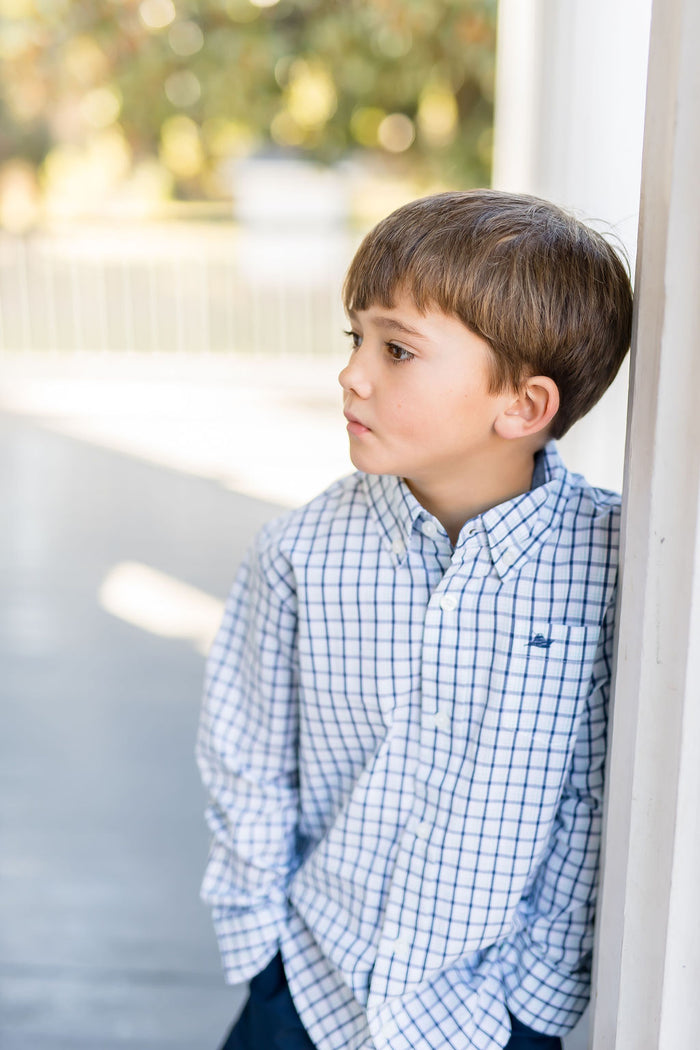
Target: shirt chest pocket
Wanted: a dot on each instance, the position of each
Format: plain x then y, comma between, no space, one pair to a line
534,688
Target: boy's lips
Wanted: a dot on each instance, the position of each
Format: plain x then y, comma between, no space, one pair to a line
355,426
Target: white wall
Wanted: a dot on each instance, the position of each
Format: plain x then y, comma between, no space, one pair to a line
570,90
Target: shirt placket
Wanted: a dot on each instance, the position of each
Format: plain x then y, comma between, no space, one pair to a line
403,941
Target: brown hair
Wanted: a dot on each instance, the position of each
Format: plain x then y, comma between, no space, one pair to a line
549,295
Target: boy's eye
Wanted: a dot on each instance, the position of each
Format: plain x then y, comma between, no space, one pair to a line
399,353
356,339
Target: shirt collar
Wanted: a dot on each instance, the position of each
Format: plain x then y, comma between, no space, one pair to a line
513,529
516,528
395,508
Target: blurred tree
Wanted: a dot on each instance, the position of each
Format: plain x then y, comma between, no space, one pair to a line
172,89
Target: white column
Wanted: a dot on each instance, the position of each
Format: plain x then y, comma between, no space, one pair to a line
570,89
648,951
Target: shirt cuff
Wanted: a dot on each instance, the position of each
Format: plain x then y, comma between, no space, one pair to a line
248,939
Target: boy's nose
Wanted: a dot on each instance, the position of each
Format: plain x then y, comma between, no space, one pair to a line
354,378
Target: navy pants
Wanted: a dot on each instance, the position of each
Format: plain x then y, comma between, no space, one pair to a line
270,1022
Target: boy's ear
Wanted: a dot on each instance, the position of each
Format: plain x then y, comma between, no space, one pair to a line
531,410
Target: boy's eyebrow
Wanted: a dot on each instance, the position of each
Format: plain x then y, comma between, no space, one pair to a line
391,322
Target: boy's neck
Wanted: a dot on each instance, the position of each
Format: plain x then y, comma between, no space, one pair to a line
481,486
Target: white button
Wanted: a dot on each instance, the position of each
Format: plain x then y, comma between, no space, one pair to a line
401,948
398,546
423,830
448,602
429,528
441,720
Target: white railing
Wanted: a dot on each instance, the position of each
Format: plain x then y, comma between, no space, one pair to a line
178,287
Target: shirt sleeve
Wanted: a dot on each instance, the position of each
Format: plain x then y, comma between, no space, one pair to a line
247,755
547,962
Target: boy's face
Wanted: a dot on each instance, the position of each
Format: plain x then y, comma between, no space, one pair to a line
416,395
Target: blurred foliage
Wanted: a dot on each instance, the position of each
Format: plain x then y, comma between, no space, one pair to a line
171,90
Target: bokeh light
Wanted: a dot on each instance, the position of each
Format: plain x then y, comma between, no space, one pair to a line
241,11
84,61
310,95
181,147
157,14
396,132
438,114
183,88
392,42
186,38
101,106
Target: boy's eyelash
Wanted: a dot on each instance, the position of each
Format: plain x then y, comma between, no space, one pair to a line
398,355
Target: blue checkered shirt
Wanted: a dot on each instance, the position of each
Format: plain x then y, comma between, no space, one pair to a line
404,747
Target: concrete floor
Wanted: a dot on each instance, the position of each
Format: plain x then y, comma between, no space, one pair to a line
103,942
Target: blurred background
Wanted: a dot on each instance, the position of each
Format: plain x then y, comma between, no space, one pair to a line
116,108
192,176
182,185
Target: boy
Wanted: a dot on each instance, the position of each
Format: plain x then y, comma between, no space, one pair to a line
404,728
